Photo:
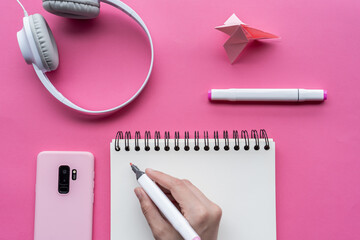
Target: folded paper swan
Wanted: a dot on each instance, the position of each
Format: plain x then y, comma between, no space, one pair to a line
240,35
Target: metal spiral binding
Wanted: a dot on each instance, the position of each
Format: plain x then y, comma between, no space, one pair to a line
254,134
196,140
216,139
244,135
236,140
127,140
226,139
176,139
167,140
263,134
206,141
147,138
186,141
119,135
157,140
137,137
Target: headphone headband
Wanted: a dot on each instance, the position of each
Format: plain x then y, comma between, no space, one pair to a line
51,88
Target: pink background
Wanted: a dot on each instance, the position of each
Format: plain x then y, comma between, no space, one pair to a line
103,61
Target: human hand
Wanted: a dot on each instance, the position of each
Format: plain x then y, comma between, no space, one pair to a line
202,214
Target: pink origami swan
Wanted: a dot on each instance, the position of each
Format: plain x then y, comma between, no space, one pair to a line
240,35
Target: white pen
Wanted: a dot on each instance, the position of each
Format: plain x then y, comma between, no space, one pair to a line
172,214
276,95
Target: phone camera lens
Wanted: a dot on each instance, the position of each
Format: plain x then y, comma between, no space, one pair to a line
64,178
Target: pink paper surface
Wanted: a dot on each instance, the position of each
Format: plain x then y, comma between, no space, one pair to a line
103,61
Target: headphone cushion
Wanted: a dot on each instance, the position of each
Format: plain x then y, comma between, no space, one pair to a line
45,42
79,9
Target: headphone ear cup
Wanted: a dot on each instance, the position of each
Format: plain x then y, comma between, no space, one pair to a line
45,42
79,9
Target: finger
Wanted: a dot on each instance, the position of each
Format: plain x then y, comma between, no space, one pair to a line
165,190
181,193
192,187
200,195
164,180
156,221
160,227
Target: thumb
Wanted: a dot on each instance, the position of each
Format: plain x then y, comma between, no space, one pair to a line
159,226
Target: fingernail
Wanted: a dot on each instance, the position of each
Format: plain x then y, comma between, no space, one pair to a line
138,193
149,170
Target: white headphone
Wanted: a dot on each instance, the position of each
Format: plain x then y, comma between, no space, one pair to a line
38,46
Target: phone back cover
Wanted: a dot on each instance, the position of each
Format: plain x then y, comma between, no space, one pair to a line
64,216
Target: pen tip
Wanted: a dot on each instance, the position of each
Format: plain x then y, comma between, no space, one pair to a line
131,164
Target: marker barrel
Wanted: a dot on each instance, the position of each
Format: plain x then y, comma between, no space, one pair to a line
276,95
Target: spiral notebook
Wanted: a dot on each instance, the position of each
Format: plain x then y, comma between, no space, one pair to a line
236,172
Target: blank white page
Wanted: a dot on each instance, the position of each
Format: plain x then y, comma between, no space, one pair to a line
241,182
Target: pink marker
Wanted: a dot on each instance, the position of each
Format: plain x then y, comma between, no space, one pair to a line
269,95
172,214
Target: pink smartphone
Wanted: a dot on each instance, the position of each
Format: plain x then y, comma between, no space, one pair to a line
64,196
